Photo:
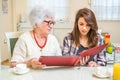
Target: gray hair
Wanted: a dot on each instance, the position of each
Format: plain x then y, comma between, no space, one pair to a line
39,14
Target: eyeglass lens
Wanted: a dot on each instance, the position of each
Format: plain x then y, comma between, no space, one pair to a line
50,22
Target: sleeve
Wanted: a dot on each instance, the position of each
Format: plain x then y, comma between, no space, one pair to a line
66,46
19,53
101,57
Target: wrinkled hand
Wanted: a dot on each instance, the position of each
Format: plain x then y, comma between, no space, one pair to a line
92,64
84,60
35,64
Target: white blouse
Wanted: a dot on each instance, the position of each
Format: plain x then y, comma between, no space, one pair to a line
26,48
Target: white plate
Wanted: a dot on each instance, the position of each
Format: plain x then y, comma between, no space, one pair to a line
102,76
20,72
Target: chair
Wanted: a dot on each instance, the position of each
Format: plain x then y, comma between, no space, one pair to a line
11,38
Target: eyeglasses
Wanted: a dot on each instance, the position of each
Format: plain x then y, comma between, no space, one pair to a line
50,22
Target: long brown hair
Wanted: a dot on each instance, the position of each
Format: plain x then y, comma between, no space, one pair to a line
89,17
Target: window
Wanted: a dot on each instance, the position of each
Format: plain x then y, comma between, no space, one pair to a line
60,8
106,9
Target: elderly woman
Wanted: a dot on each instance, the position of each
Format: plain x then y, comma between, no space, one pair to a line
37,42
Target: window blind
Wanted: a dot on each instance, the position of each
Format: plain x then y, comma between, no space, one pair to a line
106,9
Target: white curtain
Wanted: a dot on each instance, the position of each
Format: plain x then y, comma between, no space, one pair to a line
60,7
106,9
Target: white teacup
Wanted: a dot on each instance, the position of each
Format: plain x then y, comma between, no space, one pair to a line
102,71
21,67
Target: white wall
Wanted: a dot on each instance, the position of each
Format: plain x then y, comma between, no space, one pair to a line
5,26
112,27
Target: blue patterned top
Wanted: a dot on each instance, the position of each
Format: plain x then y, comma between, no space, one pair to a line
70,49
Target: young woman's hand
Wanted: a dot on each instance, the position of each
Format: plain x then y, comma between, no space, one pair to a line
84,60
92,64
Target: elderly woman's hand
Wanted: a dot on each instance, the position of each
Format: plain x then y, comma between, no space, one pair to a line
35,64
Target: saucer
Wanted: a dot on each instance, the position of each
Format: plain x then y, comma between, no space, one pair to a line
107,75
20,72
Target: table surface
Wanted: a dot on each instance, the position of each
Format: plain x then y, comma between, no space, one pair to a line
55,73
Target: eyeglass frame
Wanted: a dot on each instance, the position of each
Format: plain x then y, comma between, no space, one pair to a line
49,22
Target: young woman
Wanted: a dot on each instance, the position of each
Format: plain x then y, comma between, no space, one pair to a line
84,36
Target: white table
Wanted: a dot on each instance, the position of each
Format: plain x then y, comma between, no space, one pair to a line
61,73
